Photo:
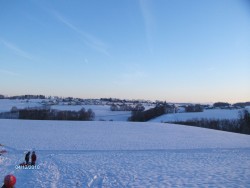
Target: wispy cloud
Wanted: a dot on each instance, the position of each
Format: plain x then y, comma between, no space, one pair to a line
16,49
148,21
10,73
87,38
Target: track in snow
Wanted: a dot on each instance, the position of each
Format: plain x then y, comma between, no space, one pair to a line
162,168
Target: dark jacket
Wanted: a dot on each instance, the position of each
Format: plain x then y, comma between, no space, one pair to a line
27,157
33,158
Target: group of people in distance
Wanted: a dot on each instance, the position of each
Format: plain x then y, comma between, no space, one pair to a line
33,158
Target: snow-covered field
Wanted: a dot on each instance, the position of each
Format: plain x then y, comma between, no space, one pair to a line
122,154
7,104
208,114
102,112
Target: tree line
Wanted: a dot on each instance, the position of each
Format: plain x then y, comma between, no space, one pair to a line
142,116
194,108
241,125
126,107
48,114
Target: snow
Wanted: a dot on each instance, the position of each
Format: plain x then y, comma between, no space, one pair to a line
7,104
209,114
248,108
102,112
124,154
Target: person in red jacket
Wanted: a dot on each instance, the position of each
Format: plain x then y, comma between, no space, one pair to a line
9,181
33,158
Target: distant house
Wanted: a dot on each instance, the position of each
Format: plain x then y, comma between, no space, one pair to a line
14,109
180,109
169,109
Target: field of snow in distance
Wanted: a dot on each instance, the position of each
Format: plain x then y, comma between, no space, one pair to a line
208,114
7,104
102,112
124,154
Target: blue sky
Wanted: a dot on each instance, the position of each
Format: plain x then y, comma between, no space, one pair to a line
178,51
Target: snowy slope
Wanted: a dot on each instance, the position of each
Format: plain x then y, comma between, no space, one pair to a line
7,104
122,154
102,112
68,135
209,114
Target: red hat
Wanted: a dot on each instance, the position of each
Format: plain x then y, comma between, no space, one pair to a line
9,181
